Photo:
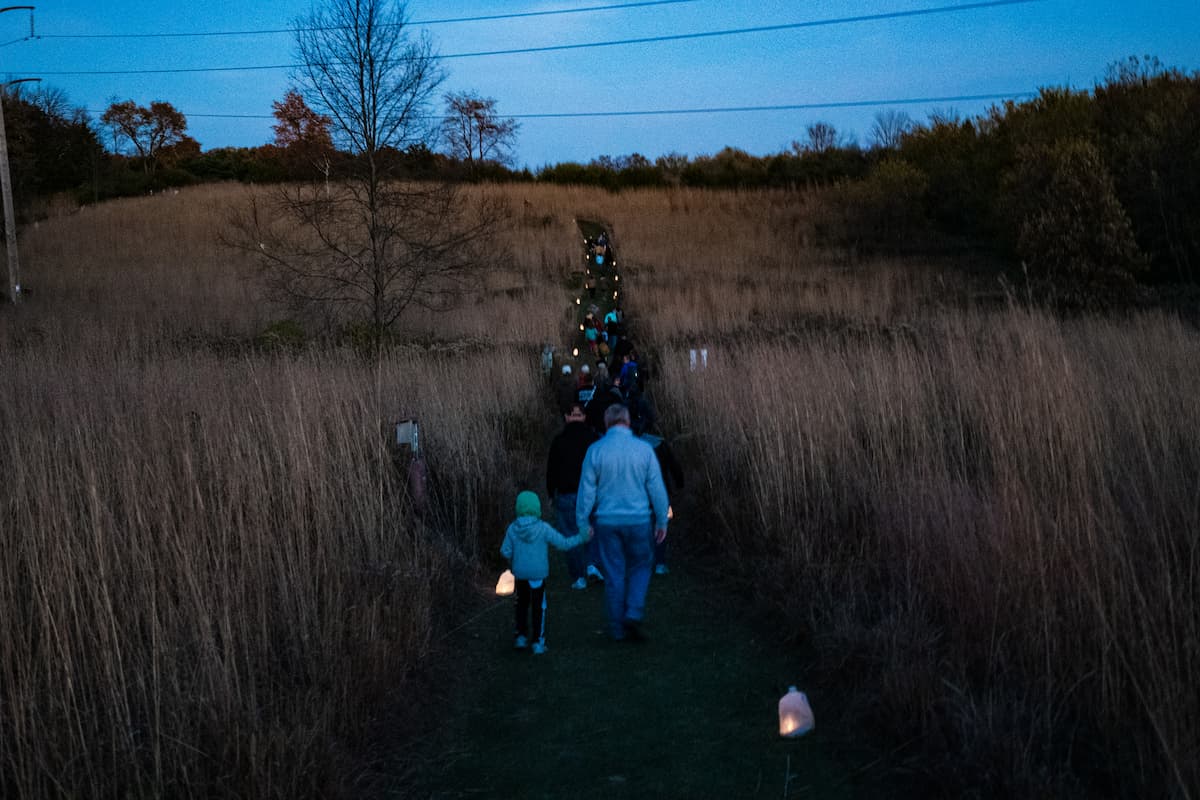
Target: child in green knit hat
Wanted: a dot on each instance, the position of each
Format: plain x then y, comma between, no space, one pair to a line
526,545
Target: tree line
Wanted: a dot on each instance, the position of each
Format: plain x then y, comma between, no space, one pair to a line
1094,186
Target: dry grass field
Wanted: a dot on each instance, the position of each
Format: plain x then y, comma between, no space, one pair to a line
213,579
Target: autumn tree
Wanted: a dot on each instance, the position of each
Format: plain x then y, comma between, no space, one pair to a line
145,129
302,133
475,133
373,245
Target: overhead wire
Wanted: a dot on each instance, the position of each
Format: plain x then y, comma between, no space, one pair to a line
584,45
444,21
905,101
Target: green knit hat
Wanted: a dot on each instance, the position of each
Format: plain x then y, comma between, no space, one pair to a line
528,505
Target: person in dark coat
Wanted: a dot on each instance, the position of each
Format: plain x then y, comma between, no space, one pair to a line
600,402
563,466
672,475
565,390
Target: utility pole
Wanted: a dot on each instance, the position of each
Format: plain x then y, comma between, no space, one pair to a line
10,218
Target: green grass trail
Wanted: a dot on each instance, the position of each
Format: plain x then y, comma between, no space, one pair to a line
689,714
692,713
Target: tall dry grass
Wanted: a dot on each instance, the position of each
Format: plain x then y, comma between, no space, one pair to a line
982,519
212,577
989,521
214,583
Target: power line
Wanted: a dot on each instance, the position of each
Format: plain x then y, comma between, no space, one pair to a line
445,21
658,112
583,45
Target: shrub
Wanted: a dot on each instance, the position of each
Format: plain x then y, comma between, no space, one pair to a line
1073,229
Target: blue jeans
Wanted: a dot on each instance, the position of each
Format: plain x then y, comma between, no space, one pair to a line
577,557
626,557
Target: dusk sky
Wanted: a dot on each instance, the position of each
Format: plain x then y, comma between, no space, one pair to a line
958,49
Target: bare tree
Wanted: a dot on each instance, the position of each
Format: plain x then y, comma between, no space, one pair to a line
475,133
373,244
822,136
889,128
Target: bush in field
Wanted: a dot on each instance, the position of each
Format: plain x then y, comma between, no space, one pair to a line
962,176
1073,229
885,209
1150,119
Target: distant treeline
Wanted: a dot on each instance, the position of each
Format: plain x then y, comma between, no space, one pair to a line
1084,187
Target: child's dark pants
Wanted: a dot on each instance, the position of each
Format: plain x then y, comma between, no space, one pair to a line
535,597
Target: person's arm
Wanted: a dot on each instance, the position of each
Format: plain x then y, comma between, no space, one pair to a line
556,539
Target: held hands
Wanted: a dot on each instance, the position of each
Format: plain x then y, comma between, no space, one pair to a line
660,535
591,533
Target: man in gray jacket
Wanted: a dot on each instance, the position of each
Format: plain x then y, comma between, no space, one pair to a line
622,498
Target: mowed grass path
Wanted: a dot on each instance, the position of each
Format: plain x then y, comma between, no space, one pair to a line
689,714
692,713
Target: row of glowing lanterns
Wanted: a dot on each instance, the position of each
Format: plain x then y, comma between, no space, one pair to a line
795,713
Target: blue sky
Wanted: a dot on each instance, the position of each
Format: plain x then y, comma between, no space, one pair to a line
992,50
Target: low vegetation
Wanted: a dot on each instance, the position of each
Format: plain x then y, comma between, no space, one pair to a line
978,512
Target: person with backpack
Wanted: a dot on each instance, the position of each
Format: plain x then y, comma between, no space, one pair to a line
612,328
628,378
586,387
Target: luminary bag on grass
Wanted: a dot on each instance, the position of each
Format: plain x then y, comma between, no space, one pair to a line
795,714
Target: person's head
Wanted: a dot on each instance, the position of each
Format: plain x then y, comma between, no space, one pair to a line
566,369
529,505
576,413
616,414
585,370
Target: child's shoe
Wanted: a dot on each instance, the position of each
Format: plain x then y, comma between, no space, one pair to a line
594,573
662,569
580,583
520,643
539,648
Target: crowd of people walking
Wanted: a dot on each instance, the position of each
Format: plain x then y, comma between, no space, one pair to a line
610,476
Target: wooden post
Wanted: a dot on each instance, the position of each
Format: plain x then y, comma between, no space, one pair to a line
10,218
10,222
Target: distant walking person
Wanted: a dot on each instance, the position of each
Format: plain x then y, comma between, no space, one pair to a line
623,499
628,377
565,390
525,545
563,467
